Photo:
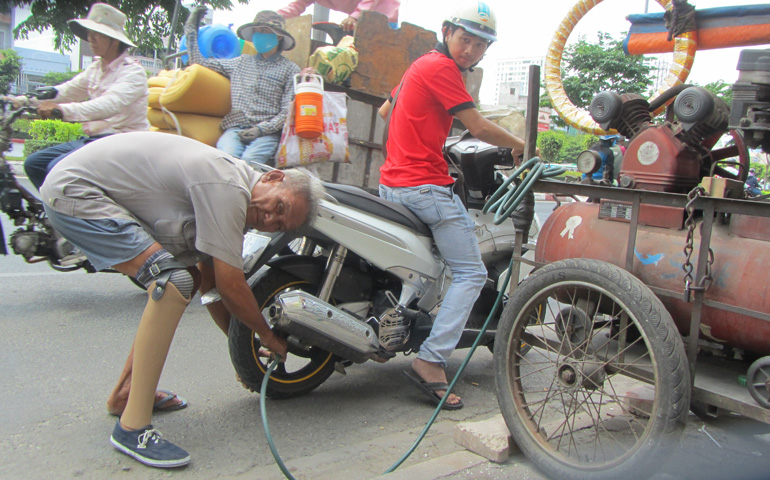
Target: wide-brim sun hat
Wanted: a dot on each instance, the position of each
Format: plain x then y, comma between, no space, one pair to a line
272,21
104,19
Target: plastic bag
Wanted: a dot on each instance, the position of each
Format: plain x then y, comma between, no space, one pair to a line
335,64
331,146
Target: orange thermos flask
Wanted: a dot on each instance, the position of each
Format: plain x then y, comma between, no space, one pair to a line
308,101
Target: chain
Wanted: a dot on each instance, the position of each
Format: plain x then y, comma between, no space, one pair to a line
688,248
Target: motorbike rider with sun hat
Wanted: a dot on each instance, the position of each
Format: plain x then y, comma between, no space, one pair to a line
110,96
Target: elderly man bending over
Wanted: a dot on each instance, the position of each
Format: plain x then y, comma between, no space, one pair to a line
152,205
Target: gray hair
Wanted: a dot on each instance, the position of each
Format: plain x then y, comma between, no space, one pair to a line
309,187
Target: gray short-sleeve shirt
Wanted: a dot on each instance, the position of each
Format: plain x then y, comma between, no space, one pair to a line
191,198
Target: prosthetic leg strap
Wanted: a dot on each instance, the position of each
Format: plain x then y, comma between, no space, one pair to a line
161,271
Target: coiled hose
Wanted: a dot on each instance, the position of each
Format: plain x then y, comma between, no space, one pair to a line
504,201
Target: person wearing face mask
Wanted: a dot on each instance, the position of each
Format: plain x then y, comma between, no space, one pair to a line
261,86
415,174
110,96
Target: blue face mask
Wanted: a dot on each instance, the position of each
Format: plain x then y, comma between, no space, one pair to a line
264,42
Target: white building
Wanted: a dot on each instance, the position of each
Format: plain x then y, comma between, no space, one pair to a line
512,80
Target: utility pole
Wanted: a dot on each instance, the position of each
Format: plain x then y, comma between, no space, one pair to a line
320,14
174,17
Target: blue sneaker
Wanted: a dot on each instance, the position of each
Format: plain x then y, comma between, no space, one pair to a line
147,446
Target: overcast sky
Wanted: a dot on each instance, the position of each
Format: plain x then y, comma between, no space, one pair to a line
525,28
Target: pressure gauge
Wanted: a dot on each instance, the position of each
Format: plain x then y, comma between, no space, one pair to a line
589,162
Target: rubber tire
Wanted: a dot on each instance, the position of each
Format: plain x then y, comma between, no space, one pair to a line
525,347
244,345
671,396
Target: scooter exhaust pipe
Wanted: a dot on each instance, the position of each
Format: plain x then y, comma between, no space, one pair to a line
322,325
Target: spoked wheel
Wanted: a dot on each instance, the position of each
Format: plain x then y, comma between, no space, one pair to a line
303,371
600,340
759,381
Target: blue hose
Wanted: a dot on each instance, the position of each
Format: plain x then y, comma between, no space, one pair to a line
505,202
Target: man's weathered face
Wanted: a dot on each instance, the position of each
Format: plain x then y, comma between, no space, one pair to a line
275,208
466,49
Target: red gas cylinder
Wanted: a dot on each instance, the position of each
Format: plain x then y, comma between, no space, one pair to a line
657,160
739,271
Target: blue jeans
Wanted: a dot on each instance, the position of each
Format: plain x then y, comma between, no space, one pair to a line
454,233
38,164
261,150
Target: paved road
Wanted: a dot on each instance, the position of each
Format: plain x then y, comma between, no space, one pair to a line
64,340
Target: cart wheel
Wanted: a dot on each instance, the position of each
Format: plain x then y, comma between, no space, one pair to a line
758,381
601,341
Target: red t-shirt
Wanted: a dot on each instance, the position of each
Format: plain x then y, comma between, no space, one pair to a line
432,92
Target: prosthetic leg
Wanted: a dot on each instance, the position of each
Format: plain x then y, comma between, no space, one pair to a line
161,316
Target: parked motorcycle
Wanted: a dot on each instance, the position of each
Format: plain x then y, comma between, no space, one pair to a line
35,239
365,281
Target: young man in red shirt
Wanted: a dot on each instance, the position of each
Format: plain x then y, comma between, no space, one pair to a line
415,174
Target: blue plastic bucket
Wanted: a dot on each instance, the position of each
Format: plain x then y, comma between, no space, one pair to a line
214,41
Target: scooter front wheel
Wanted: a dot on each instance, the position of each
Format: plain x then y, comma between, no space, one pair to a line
303,370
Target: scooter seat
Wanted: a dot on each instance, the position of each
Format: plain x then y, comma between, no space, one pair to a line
359,199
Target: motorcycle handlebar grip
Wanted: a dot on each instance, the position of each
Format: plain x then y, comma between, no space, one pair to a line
57,114
45,93
506,154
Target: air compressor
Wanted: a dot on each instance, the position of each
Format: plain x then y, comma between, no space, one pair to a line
679,155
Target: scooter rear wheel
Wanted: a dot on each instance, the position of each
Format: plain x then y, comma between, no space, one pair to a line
302,372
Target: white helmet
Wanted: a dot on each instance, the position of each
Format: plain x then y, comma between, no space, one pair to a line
477,19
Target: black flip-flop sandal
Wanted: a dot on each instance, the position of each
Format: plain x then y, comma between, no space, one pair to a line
161,405
430,388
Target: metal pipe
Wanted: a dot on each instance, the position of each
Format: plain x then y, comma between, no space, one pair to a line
533,109
333,268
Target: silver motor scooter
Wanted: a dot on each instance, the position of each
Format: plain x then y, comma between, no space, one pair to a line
365,281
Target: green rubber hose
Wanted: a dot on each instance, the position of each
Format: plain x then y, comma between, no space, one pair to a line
504,201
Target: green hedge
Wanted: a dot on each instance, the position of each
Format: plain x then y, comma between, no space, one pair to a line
45,133
32,145
21,128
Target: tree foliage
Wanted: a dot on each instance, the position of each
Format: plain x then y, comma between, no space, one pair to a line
590,68
559,147
10,66
148,21
722,90
550,143
57,78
